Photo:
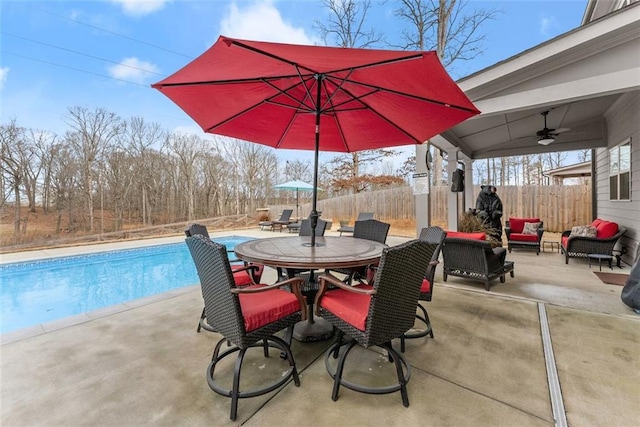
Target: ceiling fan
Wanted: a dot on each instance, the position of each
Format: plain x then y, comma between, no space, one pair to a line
546,136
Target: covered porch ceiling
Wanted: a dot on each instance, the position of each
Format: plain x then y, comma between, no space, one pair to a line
577,77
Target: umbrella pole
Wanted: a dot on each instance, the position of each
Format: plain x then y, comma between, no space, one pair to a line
314,211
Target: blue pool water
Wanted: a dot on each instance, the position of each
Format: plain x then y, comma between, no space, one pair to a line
41,291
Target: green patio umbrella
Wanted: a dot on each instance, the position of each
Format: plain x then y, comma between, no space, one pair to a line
298,186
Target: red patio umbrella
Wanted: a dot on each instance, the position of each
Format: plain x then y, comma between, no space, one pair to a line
280,95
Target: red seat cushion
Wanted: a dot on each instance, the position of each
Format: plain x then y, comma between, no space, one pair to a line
519,237
461,235
263,308
517,224
351,307
564,241
606,229
426,286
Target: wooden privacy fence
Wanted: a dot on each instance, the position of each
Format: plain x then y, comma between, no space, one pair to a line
559,206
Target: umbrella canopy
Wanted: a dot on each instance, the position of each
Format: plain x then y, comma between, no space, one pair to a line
318,98
296,185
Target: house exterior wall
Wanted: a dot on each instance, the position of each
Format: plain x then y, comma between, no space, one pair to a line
623,122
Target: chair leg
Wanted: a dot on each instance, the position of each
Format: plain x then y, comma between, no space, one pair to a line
202,316
236,385
340,369
395,357
424,318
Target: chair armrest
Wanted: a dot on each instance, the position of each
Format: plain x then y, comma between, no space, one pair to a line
294,282
326,280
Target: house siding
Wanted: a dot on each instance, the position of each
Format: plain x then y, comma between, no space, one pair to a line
623,122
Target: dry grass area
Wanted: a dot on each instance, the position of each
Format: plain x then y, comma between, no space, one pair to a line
38,230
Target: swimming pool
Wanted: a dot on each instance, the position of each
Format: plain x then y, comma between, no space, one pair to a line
42,291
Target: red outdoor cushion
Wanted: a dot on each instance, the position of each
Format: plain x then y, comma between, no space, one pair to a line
564,241
260,309
351,307
517,224
461,235
606,229
519,237
243,277
426,287
596,222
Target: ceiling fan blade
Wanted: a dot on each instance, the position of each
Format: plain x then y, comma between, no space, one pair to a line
558,131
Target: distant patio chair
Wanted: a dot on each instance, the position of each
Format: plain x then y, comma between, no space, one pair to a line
375,315
245,317
370,229
362,216
284,220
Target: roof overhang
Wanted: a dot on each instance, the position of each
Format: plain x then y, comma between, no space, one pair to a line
577,77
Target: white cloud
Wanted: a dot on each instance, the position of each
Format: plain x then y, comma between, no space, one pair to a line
4,72
140,7
261,20
133,70
547,24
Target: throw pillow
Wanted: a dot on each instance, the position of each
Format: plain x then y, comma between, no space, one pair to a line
530,228
583,231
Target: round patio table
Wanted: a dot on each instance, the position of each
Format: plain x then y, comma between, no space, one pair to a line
295,252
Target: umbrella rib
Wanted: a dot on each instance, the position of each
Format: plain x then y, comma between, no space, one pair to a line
395,92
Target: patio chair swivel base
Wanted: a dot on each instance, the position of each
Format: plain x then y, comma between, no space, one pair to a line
339,351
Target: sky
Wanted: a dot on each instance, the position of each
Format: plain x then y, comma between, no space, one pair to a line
106,53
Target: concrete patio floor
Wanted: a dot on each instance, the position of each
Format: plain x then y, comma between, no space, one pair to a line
142,362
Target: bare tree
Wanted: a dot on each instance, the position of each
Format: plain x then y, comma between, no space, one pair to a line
447,27
138,140
346,28
12,143
346,24
185,149
91,133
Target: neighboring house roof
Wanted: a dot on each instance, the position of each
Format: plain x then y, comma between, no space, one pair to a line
576,76
571,171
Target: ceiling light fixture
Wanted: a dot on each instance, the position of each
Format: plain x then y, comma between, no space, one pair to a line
546,140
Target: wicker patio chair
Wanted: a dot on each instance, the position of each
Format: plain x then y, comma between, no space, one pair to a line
375,315
434,235
474,259
245,317
243,275
370,229
517,238
362,216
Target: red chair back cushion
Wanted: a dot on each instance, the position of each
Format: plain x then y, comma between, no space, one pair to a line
261,309
606,229
596,222
461,235
517,224
351,307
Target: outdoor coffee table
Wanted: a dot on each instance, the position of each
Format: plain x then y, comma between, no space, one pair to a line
553,244
600,257
295,252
